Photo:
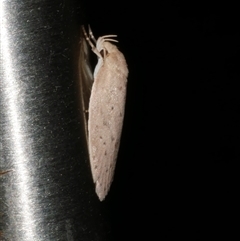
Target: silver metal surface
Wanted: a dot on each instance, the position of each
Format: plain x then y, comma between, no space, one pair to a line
48,193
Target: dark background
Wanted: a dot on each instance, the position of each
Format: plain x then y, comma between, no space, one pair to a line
177,172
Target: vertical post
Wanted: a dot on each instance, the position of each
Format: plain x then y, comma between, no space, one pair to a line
48,193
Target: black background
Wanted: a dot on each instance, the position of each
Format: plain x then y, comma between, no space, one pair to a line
176,174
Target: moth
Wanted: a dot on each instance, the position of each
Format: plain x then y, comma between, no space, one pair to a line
105,110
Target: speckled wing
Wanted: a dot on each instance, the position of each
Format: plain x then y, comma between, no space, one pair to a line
106,113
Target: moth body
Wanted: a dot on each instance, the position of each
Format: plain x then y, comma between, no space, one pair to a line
106,111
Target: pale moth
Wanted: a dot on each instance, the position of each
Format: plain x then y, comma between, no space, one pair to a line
105,110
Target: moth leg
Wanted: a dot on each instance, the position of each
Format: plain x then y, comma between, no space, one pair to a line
94,49
87,37
104,53
91,34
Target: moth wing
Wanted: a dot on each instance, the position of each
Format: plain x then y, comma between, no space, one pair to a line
86,79
106,113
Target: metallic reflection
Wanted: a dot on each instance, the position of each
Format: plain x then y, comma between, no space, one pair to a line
16,129
49,193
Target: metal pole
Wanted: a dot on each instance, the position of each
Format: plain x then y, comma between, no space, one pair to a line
46,188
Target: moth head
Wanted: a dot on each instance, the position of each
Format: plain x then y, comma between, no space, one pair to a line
104,46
